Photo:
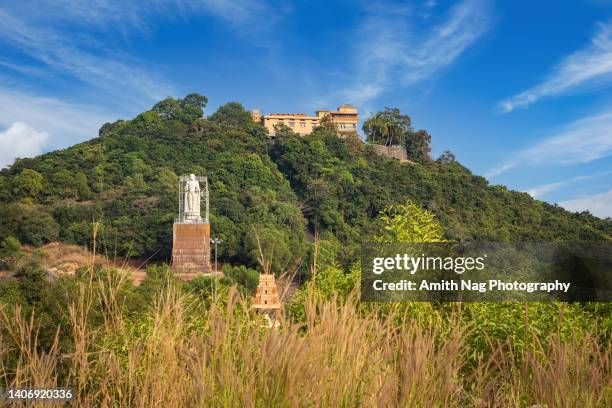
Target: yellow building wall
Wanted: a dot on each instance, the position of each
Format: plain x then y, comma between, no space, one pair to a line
345,117
302,125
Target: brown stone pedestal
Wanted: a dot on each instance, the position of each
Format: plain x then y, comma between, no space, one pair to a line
191,248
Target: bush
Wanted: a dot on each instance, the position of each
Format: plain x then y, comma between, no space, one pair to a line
10,252
247,278
31,224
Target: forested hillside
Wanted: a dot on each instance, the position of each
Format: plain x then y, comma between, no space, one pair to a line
283,189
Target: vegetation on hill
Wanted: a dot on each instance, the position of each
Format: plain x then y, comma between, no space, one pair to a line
172,344
126,179
343,185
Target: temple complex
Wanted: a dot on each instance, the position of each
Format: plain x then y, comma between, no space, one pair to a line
345,118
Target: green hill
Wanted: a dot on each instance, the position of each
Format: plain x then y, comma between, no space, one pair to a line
126,179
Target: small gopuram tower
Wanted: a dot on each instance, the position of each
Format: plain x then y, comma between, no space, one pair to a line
266,296
191,232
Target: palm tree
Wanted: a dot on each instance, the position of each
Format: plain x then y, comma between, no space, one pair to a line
388,127
372,128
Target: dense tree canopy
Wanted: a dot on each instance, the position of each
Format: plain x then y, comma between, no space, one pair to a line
127,179
232,113
186,110
281,190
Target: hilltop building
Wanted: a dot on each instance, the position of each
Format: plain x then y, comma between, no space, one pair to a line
345,118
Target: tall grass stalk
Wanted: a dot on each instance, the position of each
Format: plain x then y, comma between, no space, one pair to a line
181,353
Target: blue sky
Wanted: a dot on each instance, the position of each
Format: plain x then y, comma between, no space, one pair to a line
520,91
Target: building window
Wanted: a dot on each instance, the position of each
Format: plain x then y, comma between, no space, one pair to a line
302,124
292,124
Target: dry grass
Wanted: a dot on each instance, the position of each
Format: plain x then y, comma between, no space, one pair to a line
61,259
181,353
178,355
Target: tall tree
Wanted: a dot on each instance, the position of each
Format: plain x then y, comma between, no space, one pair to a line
28,183
326,124
233,114
282,130
186,110
388,127
446,157
417,146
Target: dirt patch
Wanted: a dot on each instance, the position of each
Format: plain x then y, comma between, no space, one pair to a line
65,259
7,275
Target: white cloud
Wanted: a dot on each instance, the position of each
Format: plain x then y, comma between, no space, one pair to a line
537,192
582,141
20,140
392,53
599,205
64,123
588,66
544,189
501,169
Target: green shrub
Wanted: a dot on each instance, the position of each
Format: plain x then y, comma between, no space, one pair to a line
247,278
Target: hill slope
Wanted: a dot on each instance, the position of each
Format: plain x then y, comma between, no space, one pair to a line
126,179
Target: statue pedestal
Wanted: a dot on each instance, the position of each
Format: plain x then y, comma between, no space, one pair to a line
191,248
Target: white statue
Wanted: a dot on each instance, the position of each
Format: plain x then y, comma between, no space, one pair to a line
192,198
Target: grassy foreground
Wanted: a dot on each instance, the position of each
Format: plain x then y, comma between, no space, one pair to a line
188,352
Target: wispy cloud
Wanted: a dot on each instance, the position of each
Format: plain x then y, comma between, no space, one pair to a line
95,65
539,191
598,204
393,53
243,16
585,67
582,141
20,140
22,69
79,38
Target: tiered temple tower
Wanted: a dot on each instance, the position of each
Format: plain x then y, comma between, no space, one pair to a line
191,232
266,296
